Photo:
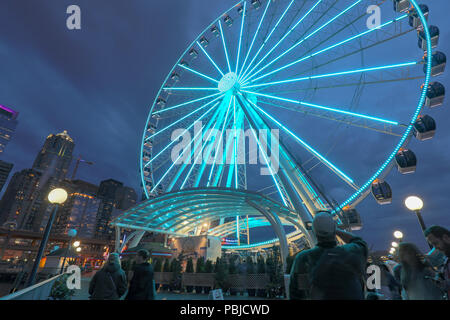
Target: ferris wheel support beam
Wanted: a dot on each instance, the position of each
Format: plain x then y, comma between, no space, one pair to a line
210,59
187,103
222,35
198,73
240,37
244,79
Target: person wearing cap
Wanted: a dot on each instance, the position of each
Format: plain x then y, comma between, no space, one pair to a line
142,284
329,271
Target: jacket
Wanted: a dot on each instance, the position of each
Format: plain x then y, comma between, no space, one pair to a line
109,283
142,284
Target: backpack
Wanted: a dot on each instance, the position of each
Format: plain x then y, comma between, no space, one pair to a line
337,275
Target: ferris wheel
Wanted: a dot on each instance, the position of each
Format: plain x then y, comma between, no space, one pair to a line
309,102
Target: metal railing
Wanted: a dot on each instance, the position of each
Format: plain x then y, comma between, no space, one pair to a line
40,291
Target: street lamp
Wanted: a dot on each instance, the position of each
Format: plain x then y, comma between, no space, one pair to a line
57,197
415,204
72,233
78,249
76,244
394,244
398,235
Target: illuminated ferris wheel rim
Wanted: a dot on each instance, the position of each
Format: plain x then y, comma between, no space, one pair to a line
228,81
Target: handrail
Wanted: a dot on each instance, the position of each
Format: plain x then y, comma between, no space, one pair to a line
29,292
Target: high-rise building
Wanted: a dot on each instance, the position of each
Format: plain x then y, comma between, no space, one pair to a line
79,212
115,198
8,124
21,199
55,156
5,170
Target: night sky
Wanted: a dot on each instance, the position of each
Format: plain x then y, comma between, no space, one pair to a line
98,83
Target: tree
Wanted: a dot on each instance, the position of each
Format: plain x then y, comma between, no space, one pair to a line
209,267
166,265
158,265
200,267
190,266
221,274
250,266
261,265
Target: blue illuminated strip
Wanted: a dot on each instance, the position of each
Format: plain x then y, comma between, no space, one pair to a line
190,89
307,146
224,45
342,73
240,36
306,38
198,73
323,107
254,37
188,102
181,119
285,36
267,39
210,59
413,119
324,50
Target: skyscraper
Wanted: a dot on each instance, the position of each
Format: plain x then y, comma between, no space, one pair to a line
55,156
5,170
21,199
79,211
8,124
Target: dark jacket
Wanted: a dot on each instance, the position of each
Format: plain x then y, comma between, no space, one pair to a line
109,283
306,263
141,285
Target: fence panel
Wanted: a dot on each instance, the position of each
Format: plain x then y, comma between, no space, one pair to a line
198,279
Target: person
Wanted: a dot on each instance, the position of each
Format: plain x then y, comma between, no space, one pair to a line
390,288
415,275
142,285
110,282
328,271
439,238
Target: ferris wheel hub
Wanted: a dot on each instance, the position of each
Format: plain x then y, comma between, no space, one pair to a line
228,82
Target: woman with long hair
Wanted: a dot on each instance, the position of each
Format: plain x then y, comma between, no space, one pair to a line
415,275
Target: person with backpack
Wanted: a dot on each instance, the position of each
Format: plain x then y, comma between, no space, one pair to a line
142,285
110,282
415,275
329,271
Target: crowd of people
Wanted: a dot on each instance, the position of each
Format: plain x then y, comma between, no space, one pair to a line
336,272
326,272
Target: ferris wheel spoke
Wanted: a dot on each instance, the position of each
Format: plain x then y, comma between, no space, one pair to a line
188,102
285,36
244,80
198,73
336,45
267,39
190,89
209,58
178,158
240,36
316,106
334,74
255,36
183,118
179,136
325,161
193,151
222,35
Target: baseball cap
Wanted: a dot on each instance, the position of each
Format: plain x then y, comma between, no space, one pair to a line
324,225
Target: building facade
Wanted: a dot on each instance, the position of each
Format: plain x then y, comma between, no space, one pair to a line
8,124
5,170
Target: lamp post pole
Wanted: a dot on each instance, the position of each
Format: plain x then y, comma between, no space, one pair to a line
422,224
65,254
42,246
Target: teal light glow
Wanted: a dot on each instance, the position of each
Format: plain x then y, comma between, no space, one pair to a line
268,38
254,37
179,136
187,103
323,107
198,73
307,146
210,59
334,74
181,119
309,36
285,36
240,36
323,50
189,89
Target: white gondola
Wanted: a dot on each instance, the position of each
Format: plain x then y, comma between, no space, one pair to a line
204,42
351,218
148,144
438,63
215,31
161,102
406,161
151,128
401,5
256,4
193,53
175,76
227,19
240,9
